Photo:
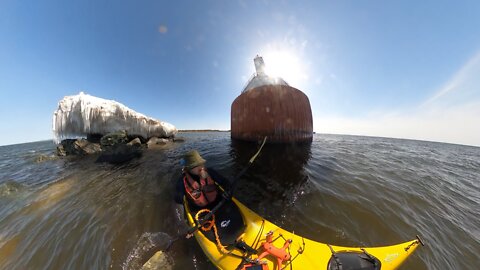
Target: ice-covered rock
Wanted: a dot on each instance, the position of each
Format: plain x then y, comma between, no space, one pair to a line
82,115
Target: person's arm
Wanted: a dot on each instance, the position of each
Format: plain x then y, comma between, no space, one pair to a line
220,179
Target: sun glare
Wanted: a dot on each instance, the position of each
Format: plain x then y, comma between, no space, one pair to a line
285,65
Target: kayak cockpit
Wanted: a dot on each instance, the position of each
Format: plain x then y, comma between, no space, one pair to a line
229,224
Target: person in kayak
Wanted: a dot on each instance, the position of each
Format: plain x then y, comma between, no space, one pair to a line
198,183
201,188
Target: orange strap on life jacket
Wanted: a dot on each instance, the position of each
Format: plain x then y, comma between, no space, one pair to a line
201,193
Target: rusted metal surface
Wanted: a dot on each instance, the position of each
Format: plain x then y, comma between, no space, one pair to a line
280,112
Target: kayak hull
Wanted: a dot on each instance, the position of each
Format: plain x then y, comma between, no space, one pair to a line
304,253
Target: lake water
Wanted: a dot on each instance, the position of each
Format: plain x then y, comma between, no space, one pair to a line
73,213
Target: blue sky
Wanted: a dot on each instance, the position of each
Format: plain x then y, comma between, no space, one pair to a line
404,69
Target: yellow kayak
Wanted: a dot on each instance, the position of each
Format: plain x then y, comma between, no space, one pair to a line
241,239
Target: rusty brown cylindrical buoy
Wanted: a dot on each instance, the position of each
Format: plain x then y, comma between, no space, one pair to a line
281,112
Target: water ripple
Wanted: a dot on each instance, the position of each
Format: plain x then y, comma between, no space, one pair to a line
76,214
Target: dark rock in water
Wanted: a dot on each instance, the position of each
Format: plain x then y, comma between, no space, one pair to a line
133,137
178,139
117,147
61,150
135,142
120,153
116,138
77,147
88,147
94,138
146,255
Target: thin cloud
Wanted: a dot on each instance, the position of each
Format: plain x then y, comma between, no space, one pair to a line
461,81
456,125
450,115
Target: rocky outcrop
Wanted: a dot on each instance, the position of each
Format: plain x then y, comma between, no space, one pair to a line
120,153
78,147
135,142
112,130
117,147
115,138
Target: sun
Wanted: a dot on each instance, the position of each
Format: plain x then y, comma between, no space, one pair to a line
284,64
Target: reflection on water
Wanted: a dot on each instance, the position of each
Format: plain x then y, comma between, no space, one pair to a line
73,213
277,176
51,195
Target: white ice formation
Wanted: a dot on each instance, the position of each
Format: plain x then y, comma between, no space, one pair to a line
83,114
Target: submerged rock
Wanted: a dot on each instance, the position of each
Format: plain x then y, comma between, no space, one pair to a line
10,187
158,261
148,253
43,158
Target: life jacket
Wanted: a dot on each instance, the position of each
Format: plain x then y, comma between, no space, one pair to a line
201,193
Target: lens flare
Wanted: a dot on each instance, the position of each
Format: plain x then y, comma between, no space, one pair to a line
286,65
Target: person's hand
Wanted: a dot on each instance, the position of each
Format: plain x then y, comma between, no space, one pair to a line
204,174
189,235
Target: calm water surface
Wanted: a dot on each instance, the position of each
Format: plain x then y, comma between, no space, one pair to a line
73,213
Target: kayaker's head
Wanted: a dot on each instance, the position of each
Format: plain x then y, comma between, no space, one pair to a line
192,161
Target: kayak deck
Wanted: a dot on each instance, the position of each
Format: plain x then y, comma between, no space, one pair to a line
303,253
